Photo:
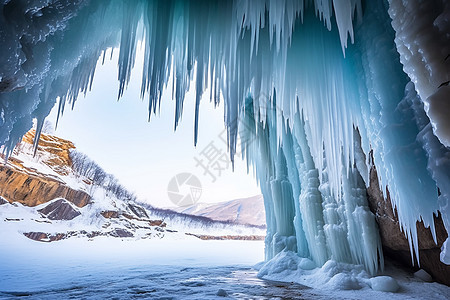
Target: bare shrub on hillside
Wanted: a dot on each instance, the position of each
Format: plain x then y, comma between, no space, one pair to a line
85,167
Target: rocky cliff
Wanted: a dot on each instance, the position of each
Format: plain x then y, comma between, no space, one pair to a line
395,244
42,179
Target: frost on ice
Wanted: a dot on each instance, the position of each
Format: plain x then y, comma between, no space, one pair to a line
319,91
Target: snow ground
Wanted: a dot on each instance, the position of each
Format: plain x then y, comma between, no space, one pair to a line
345,281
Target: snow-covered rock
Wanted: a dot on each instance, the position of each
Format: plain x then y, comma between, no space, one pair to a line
59,209
384,284
423,275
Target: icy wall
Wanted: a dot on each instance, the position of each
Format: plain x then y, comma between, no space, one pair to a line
318,92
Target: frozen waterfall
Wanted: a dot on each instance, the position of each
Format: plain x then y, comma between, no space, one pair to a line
317,91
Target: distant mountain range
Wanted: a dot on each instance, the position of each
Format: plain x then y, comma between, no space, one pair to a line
245,211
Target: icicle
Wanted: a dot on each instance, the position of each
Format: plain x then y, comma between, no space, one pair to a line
37,135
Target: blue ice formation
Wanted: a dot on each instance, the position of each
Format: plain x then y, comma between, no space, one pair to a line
319,92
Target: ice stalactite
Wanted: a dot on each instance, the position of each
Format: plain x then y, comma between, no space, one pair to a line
438,162
325,227
59,45
310,198
424,47
390,130
312,87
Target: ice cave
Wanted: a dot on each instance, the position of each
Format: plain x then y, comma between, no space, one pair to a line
342,106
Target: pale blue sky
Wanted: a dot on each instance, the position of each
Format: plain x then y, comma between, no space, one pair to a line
143,155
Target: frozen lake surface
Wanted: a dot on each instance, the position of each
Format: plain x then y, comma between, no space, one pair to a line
151,269
157,282
109,268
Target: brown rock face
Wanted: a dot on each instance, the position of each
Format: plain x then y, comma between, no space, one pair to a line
159,223
32,188
60,161
53,237
110,214
228,237
59,210
45,237
395,244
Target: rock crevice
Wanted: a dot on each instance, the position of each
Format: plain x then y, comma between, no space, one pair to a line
395,244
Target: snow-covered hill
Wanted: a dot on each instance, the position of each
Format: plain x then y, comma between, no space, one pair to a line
59,193
240,211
